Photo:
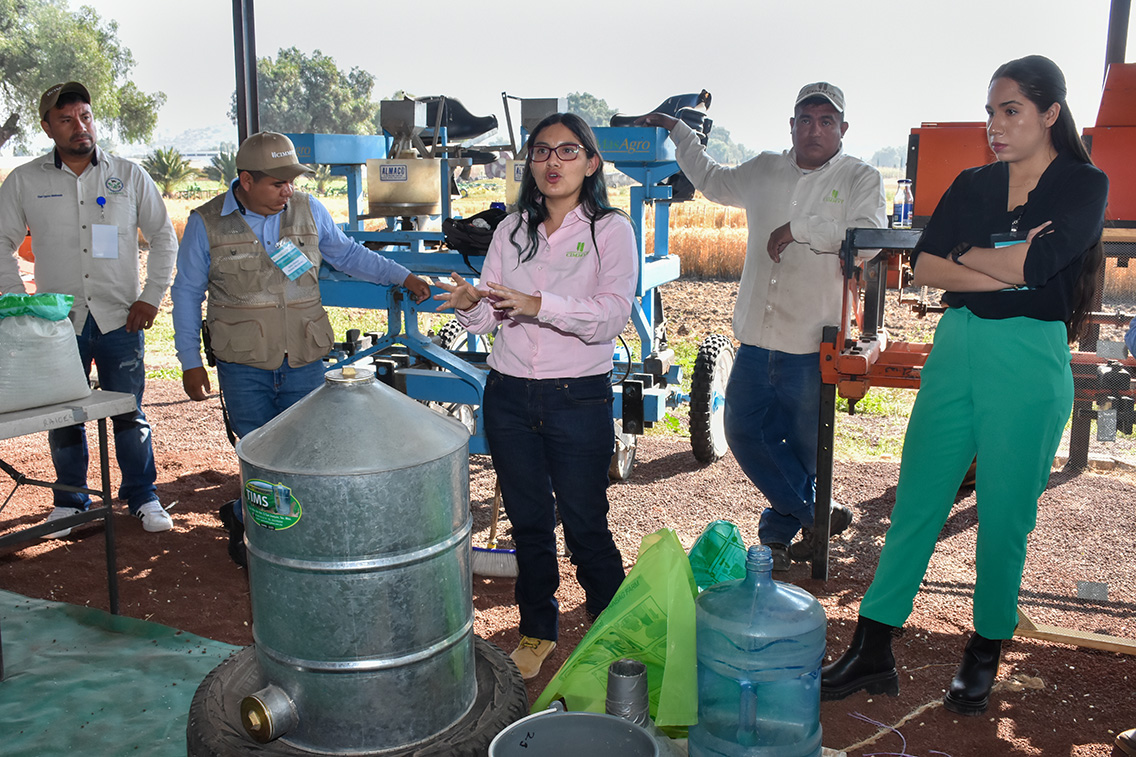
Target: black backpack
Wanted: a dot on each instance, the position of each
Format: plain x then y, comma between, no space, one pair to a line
471,236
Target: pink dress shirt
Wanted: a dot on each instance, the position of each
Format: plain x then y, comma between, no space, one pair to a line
586,289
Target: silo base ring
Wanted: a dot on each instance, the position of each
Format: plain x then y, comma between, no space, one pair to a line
215,730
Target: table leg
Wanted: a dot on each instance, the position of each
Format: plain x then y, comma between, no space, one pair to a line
104,469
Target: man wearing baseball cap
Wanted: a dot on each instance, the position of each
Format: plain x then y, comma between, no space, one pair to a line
256,251
84,209
799,203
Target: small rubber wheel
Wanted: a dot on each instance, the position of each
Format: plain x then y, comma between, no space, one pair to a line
623,459
712,368
214,728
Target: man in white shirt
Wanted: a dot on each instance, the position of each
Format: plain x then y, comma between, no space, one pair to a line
84,209
799,203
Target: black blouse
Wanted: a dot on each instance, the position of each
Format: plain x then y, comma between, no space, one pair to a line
1070,193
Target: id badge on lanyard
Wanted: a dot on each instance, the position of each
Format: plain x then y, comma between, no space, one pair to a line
290,260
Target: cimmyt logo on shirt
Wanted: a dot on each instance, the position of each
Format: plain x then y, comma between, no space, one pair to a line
834,197
579,252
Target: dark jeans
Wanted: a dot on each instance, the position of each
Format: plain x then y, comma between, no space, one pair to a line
772,408
119,356
551,441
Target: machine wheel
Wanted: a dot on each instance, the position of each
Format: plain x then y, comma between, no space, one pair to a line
708,397
452,336
214,728
623,459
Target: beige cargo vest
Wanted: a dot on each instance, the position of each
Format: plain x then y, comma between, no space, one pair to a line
256,315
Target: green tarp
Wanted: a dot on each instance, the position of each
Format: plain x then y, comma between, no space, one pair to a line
79,680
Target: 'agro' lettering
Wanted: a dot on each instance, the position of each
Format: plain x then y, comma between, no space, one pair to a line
627,146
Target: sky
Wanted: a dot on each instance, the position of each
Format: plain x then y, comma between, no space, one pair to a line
899,63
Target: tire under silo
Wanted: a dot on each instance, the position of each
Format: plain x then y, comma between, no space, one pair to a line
214,728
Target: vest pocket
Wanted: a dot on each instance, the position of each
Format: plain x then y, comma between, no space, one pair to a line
319,332
240,342
246,274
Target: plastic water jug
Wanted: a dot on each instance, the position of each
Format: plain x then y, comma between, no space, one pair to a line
760,644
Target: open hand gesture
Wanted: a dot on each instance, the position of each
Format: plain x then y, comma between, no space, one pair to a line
460,295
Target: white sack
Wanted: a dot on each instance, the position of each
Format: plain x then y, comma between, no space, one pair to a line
39,363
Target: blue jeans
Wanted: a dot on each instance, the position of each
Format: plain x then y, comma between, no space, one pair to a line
551,441
120,358
254,396
771,414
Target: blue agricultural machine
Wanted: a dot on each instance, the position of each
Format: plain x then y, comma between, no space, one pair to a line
410,179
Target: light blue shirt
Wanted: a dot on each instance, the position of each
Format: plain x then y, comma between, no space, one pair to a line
192,280
1130,337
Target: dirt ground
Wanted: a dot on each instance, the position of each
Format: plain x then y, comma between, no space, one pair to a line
1051,699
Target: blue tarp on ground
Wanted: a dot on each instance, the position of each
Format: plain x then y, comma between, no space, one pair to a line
81,680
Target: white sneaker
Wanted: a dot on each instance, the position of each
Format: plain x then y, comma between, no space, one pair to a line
56,514
154,517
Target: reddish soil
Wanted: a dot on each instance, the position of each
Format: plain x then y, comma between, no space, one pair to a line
1051,699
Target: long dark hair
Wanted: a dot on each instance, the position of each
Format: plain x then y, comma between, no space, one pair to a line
1043,84
593,194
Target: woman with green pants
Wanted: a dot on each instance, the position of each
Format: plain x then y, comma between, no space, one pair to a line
1016,246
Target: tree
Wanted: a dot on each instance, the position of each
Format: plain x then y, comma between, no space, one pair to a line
168,169
890,157
222,168
299,94
723,149
593,110
43,43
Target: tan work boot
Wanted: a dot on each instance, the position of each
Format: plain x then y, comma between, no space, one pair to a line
529,655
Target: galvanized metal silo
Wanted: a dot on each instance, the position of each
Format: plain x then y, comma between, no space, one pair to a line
357,524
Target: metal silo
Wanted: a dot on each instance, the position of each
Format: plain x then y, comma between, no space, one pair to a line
357,524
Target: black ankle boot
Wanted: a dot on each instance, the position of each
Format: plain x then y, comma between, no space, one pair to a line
868,664
970,690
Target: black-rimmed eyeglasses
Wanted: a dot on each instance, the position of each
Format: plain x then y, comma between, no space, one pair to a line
541,153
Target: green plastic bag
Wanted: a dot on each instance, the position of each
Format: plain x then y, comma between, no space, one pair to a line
718,555
50,307
650,619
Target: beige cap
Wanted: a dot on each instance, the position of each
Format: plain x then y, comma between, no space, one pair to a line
825,90
52,95
270,153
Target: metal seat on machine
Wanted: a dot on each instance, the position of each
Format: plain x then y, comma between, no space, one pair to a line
459,123
691,110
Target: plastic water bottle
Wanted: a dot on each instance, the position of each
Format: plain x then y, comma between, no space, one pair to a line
904,207
760,643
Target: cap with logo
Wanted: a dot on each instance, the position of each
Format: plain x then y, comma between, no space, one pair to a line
825,90
53,93
270,153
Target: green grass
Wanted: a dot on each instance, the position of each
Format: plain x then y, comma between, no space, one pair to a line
877,428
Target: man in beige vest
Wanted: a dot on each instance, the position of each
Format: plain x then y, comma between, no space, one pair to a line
256,252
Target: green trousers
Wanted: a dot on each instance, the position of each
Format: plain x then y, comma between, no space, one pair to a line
1001,390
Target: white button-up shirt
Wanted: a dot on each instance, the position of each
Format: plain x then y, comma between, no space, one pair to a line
785,306
60,209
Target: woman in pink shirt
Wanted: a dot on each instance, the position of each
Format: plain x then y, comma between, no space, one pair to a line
557,285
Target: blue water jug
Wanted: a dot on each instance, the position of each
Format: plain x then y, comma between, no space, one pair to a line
760,644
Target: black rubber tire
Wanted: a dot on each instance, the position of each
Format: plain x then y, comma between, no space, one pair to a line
712,368
451,335
214,728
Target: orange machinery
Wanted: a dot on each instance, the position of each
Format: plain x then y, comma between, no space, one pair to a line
857,355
